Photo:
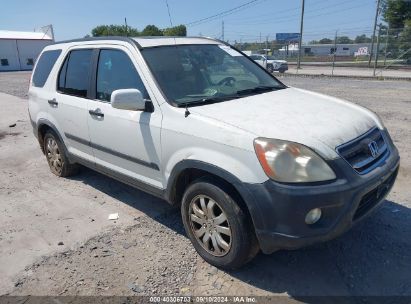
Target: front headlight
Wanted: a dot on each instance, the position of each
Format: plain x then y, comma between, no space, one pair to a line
289,162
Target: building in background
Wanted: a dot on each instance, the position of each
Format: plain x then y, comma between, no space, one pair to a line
19,50
339,49
328,49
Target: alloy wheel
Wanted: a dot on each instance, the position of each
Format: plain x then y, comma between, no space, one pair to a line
53,155
210,225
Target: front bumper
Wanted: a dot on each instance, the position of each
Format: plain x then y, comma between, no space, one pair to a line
282,67
278,210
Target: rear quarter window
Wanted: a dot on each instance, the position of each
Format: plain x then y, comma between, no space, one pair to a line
44,66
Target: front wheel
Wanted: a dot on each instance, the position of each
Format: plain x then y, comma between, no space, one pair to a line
270,69
219,229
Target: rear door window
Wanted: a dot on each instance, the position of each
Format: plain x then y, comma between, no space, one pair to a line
44,67
74,77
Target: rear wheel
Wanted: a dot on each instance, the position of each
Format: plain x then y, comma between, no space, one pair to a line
220,231
56,158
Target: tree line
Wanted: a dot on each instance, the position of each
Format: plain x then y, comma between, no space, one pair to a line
149,30
397,15
343,40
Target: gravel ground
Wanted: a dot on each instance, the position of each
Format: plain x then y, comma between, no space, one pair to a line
143,259
348,71
151,255
15,83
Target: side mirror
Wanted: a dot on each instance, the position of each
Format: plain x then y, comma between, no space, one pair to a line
128,99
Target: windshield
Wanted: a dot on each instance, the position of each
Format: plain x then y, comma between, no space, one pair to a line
189,74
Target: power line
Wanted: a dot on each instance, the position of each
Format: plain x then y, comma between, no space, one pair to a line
287,19
223,13
270,15
314,13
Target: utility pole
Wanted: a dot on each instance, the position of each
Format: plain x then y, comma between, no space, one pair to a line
125,22
376,52
266,45
222,30
335,52
377,11
52,31
386,43
301,35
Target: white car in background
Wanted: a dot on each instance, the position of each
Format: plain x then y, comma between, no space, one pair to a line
270,63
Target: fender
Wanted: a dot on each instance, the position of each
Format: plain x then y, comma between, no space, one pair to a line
240,186
42,122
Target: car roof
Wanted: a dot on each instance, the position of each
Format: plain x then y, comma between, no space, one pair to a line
150,41
161,41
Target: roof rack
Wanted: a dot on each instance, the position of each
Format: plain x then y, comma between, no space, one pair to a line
119,38
133,41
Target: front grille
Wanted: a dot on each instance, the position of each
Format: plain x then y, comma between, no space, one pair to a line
358,154
370,199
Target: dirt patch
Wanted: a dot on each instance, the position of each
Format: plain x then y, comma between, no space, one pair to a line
4,134
133,261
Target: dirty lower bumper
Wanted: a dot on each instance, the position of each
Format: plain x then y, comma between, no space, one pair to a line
278,210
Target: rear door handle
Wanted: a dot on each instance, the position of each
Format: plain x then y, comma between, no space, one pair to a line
53,102
96,112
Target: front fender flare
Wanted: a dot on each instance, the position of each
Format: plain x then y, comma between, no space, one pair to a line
240,186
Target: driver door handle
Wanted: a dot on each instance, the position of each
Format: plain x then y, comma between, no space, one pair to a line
96,112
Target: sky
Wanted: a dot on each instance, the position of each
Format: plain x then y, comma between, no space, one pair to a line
76,18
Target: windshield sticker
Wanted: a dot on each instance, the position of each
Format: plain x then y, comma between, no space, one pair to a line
229,50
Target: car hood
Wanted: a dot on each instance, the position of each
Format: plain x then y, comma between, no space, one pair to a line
318,121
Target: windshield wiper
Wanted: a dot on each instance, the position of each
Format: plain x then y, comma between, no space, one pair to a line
259,89
205,100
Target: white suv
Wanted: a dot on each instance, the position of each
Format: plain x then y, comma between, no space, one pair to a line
270,63
253,163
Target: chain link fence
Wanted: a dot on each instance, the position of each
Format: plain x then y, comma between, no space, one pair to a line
389,56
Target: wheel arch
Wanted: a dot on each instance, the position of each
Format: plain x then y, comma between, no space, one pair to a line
186,171
44,125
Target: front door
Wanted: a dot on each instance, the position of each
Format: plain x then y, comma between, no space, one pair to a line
123,141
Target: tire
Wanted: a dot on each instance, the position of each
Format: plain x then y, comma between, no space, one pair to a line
56,157
281,71
270,69
225,244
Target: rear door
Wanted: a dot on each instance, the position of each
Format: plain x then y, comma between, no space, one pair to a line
125,142
41,89
70,105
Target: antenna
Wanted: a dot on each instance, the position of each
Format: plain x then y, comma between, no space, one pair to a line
169,15
171,23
